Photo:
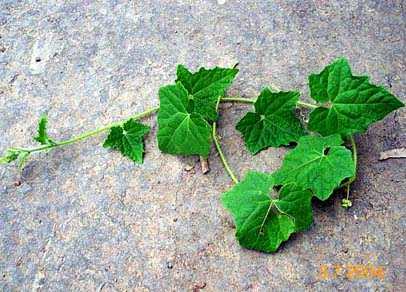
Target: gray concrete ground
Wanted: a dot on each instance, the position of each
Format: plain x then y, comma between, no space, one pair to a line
85,218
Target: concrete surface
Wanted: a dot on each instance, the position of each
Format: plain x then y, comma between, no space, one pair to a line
84,218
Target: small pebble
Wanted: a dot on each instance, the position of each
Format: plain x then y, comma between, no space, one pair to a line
189,167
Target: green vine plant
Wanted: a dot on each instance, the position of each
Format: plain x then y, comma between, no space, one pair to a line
267,207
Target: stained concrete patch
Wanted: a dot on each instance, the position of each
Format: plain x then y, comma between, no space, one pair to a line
85,218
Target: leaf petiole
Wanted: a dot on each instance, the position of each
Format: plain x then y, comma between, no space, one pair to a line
306,105
222,157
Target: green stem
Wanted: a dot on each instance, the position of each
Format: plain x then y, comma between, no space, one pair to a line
252,101
220,152
306,105
222,157
88,134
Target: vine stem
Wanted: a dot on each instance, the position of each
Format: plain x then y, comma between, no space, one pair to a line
146,113
252,101
88,134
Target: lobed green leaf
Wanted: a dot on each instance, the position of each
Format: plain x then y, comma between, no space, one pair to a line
187,108
317,163
349,104
273,123
128,139
205,87
264,219
179,130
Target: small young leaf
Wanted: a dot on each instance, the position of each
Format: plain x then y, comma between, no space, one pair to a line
10,155
318,164
180,130
42,136
128,139
273,123
263,222
206,86
349,103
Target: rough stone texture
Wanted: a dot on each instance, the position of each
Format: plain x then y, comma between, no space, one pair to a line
85,218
